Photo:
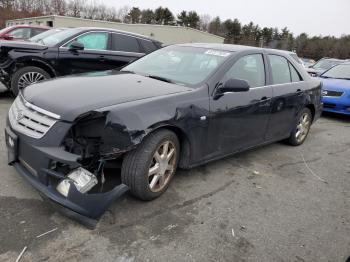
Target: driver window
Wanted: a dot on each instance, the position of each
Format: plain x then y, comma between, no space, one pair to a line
250,68
94,41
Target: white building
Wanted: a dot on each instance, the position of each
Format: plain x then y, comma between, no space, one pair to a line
164,33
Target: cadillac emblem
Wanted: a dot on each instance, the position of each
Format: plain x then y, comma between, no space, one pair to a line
19,115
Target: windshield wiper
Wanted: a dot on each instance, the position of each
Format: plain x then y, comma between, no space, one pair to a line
127,71
160,78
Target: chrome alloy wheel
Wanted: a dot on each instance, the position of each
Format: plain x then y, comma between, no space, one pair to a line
30,78
303,127
162,166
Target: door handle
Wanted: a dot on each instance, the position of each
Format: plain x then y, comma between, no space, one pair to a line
263,98
299,92
102,58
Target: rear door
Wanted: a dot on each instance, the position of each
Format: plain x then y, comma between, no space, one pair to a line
239,120
288,96
93,58
125,49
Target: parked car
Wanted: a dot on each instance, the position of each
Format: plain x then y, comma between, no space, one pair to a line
336,89
182,105
323,65
70,51
307,62
21,32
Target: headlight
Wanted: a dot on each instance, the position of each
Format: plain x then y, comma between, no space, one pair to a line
81,178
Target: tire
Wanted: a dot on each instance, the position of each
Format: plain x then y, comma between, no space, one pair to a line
26,76
301,128
139,163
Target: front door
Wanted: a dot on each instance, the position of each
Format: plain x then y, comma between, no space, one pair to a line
94,57
239,120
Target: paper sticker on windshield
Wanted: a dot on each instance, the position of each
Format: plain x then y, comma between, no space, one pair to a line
217,53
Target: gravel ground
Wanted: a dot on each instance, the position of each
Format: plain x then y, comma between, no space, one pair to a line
276,203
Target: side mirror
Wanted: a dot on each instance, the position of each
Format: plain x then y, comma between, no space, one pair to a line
76,46
234,85
7,37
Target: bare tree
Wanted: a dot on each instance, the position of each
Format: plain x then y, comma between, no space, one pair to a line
58,7
122,13
204,22
75,7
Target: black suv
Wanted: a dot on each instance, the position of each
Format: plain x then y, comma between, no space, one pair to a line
71,51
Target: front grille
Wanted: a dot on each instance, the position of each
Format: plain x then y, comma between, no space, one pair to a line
332,93
328,105
30,120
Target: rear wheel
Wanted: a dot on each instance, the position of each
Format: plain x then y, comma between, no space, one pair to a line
149,169
302,128
26,76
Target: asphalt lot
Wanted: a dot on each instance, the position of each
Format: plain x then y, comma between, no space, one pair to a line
276,203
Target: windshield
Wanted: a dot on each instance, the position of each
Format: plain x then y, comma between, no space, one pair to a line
326,64
339,72
54,39
179,64
38,38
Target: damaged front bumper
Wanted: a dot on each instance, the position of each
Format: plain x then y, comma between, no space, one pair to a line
5,67
34,162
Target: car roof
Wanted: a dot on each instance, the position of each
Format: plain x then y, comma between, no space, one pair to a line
29,26
222,47
332,59
83,29
233,48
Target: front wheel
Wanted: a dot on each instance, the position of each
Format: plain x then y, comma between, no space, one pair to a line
148,170
301,128
26,76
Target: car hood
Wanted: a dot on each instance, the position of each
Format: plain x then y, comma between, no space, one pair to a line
313,70
26,45
72,96
336,84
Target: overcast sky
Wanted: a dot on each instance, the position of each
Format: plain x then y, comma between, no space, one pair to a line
315,17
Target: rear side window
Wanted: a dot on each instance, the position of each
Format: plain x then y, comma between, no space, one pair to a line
283,71
280,69
250,68
36,31
148,46
125,43
294,73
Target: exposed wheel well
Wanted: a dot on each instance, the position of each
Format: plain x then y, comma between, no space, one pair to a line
37,63
312,109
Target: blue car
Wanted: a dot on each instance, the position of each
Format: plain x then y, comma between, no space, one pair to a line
336,89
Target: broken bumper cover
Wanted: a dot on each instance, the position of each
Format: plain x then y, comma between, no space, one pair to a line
4,75
85,208
32,162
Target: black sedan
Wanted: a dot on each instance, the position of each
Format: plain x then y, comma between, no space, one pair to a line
70,51
181,106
